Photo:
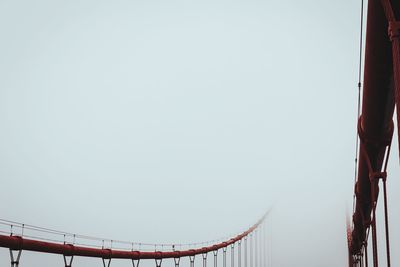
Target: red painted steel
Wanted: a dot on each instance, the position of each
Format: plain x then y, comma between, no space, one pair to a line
20,243
375,124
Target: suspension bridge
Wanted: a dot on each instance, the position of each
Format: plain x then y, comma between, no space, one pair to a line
245,249
378,97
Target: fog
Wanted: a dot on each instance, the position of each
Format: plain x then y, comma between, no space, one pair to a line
183,121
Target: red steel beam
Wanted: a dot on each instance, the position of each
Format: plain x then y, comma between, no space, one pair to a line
375,124
20,243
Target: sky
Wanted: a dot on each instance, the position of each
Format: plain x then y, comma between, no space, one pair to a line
183,121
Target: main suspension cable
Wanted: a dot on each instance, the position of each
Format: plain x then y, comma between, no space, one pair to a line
13,226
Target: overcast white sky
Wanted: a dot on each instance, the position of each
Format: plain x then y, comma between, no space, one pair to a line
180,121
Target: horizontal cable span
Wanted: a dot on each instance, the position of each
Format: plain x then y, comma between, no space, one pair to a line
38,244
13,226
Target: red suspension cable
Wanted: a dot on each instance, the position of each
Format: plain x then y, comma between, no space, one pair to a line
19,243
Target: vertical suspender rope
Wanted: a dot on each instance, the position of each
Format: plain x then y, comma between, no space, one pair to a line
215,252
240,253
374,238
245,251
68,261
373,191
361,258
15,260
158,262
106,262
233,255
135,264
256,247
262,245
251,250
204,259
269,244
386,207
224,257
191,258
374,181
176,261
383,177
386,222
359,86
394,35
259,246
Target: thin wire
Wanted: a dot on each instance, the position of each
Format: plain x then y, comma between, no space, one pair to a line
359,85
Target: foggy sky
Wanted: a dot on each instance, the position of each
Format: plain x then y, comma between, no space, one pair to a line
180,121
